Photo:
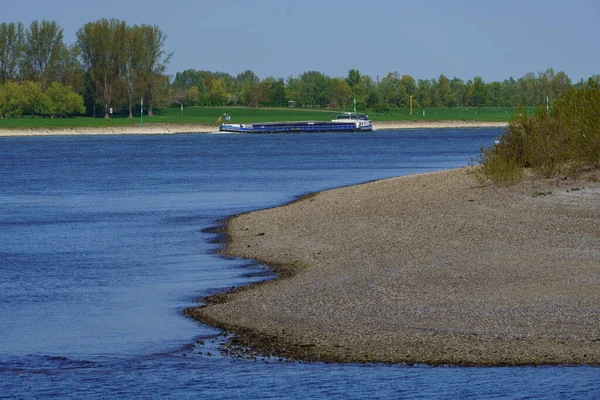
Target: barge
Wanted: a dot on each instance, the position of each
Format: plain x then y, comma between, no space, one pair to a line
347,122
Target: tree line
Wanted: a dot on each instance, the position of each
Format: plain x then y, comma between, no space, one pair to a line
111,65
315,89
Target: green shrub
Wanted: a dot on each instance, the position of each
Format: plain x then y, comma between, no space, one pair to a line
382,108
563,141
578,110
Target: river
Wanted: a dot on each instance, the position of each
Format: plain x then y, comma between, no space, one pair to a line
104,240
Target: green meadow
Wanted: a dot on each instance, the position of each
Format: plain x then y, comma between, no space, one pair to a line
209,116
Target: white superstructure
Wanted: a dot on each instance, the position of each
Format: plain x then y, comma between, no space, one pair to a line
363,123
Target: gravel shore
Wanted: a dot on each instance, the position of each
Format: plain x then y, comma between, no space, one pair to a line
165,129
148,129
429,268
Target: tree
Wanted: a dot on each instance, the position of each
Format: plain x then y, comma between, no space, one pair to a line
423,93
154,63
64,102
218,94
69,71
371,94
353,78
480,92
510,93
495,94
102,50
277,92
186,79
409,84
393,91
3,102
444,91
246,83
530,90
12,36
559,85
341,92
28,98
132,67
314,89
42,49
469,94
457,90
293,89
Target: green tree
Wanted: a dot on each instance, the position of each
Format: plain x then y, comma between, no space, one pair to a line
277,93
469,94
42,49
154,64
457,92
480,92
132,67
102,45
3,102
495,94
341,93
423,96
218,94
245,86
64,102
393,90
353,78
510,93
444,91
28,98
293,89
69,71
314,89
370,95
12,37
559,85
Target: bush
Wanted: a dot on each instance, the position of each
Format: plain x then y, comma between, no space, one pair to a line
20,98
578,110
564,141
381,108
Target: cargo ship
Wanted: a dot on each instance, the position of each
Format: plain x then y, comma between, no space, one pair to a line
346,122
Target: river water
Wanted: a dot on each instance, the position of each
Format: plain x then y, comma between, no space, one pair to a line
104,241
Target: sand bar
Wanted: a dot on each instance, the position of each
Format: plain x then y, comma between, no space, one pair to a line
148,129
165,129
428,268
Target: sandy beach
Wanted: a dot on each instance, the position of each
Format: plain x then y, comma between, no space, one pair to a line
148,129
429,268
166,129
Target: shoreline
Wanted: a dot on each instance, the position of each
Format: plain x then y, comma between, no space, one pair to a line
169,129
429,269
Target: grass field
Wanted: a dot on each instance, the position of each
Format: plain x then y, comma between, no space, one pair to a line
209,115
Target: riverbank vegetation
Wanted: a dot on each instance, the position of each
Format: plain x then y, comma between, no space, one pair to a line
563,140
113,66
209,116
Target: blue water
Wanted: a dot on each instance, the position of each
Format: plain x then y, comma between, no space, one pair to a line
104,241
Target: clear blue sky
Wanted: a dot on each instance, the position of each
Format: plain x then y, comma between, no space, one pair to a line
422,38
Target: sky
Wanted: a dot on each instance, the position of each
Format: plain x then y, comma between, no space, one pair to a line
422,38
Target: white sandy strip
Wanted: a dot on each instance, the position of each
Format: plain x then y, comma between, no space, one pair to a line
379,125
150,129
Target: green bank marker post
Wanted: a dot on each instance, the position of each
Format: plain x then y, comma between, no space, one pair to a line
141,112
